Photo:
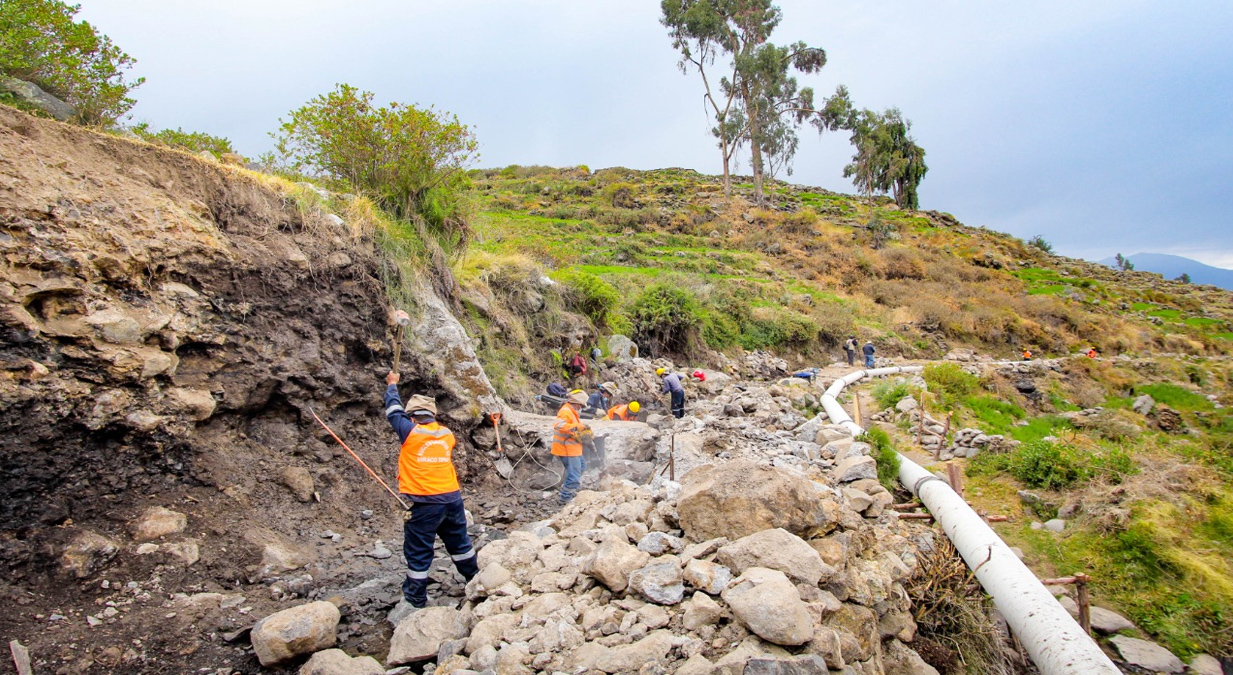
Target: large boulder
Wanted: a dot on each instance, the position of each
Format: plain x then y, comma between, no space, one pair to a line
630,658
741,497
612,563
419,637
767,603
282,636
31,94
805,664
855,468
338,662
1147,655
776,549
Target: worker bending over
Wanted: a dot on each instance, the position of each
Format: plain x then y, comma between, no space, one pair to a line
569,435
674,387
624,413
426,476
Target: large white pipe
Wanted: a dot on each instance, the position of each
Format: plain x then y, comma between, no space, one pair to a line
1056,643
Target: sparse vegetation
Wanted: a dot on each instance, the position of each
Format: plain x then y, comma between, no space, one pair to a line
192,141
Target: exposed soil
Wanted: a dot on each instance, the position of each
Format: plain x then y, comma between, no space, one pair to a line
165,325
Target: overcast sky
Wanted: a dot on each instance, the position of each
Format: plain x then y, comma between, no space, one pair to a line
1104,125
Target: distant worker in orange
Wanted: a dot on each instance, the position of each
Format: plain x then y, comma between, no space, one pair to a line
1027,355
625,413
1091,353
569,435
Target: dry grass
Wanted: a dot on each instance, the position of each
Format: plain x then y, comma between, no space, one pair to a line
954,630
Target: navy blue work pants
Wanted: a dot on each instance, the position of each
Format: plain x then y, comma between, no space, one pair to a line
420,531
678,404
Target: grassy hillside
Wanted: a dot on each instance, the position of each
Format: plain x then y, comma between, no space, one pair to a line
804,272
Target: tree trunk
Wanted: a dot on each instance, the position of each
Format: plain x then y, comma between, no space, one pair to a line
755,150
723,140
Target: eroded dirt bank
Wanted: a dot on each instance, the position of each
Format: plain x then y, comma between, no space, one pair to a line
165,324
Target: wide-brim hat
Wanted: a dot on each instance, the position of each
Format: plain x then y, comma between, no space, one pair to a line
609,387
579,397
420,402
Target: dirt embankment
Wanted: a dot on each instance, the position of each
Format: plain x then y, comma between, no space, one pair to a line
165,323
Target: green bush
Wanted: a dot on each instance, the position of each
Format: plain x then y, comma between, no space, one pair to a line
621,195
950,382
1115,464
666,320
889,392
590,295
775,327
192,141
885,455
41,43
410,160
1043,464
995,415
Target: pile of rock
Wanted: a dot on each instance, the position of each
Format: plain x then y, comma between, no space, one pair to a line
741,565
967,442
970,442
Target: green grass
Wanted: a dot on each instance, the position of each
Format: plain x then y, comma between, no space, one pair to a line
1176,397
1046,290
1166,313
1223,336
1040,427
1141,306
1202,321
993,414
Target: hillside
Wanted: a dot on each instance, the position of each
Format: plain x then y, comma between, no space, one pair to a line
800,275
1173,266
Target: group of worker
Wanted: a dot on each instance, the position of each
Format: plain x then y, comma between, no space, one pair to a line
427,478
867,350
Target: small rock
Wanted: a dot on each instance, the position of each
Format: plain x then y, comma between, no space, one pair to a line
1204,664
855,468
659,543
1107,621
1055,525
707,576
419,637
158,522
299,481
1143,405
612,562
660,582
701,611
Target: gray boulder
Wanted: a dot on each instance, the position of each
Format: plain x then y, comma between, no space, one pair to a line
806,664
776,549
1147,655
767,603
338,662
660,582
33,95
855,468
612,562
419,637
1144,404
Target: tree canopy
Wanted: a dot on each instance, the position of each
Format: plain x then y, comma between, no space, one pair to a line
40,42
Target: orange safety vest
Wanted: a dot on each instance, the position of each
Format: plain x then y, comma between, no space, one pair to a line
425,464
621,412
565,441
1091,353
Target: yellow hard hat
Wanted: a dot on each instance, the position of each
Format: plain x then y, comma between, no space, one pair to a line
634,407
660,371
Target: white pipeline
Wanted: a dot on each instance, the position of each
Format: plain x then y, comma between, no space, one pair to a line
1056,643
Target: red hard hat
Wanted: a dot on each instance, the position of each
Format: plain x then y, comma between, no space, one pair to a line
700,376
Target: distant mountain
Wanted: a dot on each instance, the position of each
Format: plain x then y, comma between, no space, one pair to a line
1173,266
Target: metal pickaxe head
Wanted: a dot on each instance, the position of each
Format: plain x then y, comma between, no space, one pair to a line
402,318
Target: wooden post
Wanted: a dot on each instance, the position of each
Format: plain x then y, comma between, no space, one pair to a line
955,475
1085,611
916,516
920,422
946,429
856,407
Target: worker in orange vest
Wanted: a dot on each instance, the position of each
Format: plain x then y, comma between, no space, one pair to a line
427,478
624,413
1091,353
1027,355
569,435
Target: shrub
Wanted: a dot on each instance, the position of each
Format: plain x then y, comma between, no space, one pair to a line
665,320
192,141
950,382
410,160
41,43
774,327
889,392
621,195
1039,242
590,295
1043,464
885,455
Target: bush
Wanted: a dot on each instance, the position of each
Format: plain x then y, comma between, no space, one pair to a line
41,43
775,327
410,160
590,295
1039,242
192,141
885,455
621,195
889,392
1043,464
665,320
950,382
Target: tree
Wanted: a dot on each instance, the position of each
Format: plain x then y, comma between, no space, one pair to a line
887,158
1123,263
1185,278
41,43
750,100
409,159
